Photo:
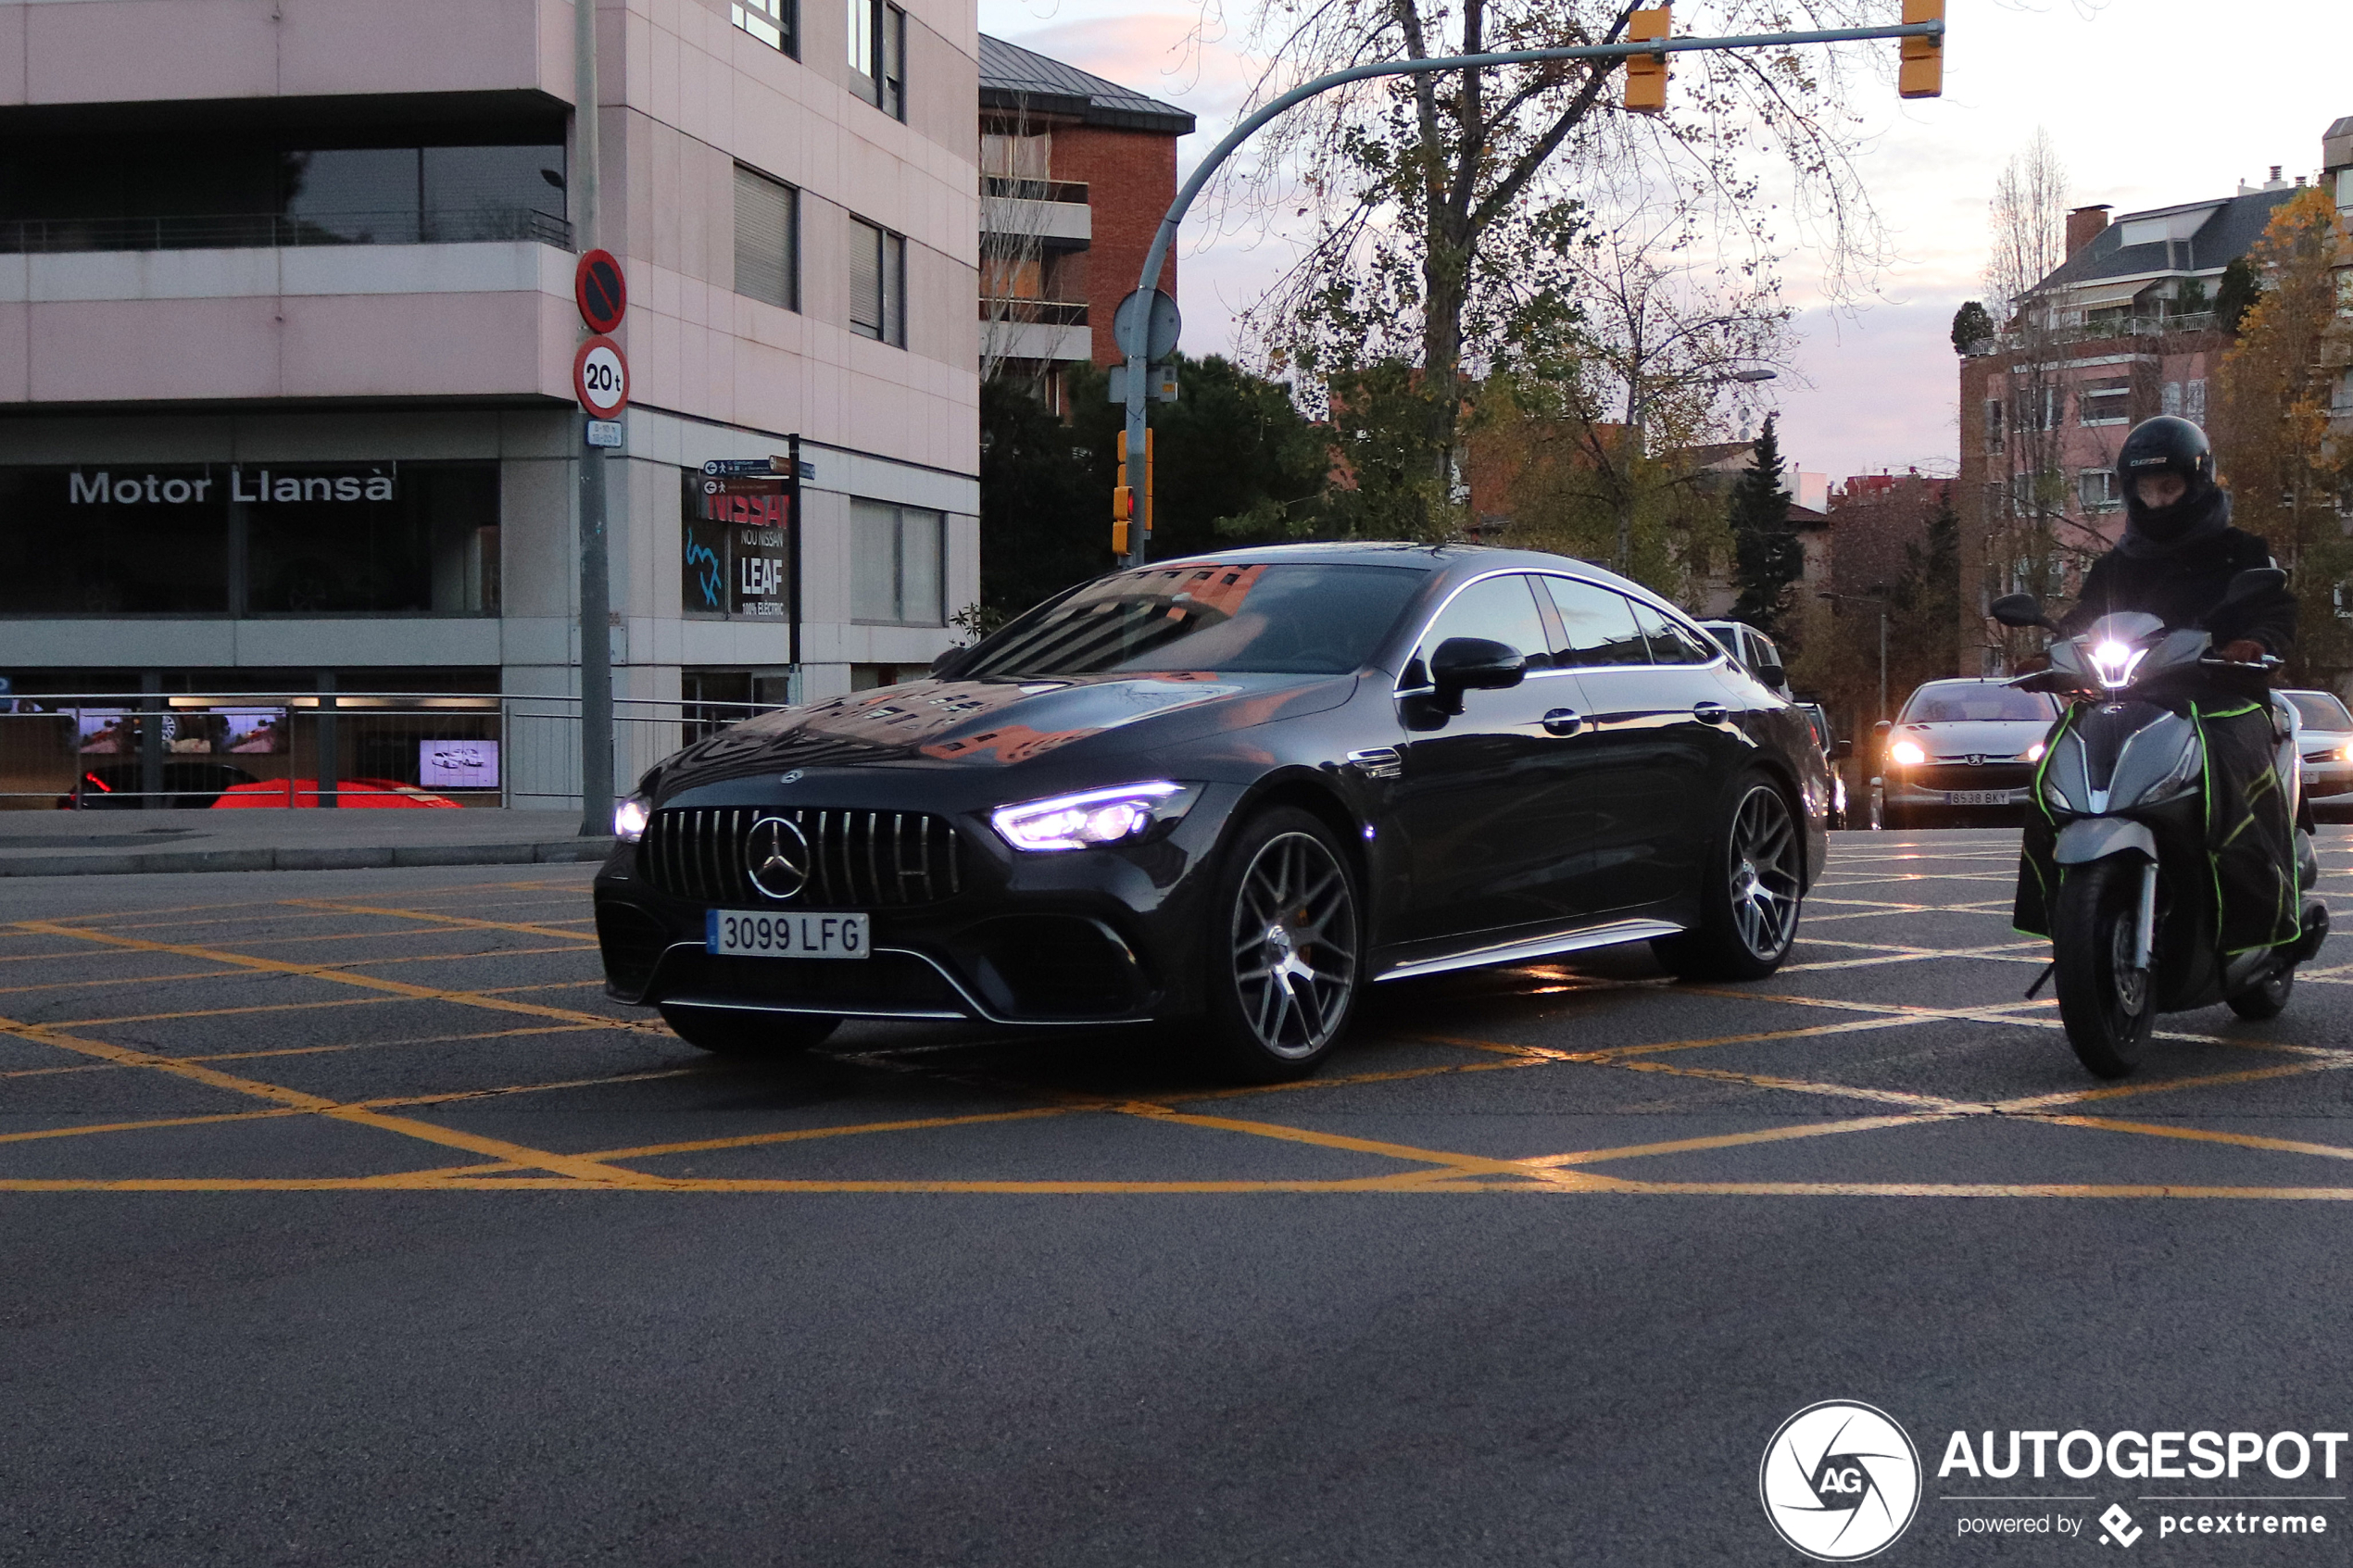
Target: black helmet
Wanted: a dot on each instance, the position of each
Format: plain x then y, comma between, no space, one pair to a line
2166,445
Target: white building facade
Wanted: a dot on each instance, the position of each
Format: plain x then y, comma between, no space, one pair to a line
286,334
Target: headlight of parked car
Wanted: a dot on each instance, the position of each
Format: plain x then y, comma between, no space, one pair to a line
1093,817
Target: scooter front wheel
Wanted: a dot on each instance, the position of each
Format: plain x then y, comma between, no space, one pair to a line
2104,1002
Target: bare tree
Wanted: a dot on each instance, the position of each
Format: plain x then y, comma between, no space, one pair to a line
1443,205
1016,182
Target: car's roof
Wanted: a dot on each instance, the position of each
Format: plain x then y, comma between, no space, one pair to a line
1452,559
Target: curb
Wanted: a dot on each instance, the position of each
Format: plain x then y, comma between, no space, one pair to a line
559,852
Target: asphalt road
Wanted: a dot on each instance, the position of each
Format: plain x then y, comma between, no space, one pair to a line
343,1221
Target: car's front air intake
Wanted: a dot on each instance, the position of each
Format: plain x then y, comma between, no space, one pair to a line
822,859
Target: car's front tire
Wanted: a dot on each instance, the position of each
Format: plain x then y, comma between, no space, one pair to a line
1751,886
748,1033
1285,951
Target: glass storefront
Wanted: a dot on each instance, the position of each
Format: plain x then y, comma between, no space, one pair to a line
306,539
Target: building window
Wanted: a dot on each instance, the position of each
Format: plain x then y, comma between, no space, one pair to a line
2193,400
2039,408
878,53
2096,488
877,283
767,239
1994,425
896,556
774,23
2105,402
2168,398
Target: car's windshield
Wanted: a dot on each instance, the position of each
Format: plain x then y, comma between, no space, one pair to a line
1306,617
1976,704
2321,710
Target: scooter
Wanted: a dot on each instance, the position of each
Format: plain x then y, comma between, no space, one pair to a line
2133,921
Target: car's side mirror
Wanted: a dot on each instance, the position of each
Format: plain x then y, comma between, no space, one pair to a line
1473,664
1880,729
2020,609
1841,750
1772,674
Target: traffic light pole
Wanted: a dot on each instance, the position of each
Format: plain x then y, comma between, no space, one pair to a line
1165,238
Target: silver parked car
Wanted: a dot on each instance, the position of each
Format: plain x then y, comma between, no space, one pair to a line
2325,740
1961,750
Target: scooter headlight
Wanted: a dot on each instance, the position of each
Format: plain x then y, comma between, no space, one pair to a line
2114,662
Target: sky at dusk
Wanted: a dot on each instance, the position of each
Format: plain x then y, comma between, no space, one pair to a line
2148,102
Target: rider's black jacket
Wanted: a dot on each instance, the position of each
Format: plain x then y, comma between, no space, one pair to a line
2182,585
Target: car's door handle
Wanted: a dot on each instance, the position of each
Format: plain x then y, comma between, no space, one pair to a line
1564,722
1378,762
1710,712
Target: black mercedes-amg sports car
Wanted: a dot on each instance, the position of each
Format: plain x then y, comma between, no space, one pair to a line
1230,792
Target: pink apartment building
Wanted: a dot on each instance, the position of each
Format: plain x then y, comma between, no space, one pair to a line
2125,328
286,336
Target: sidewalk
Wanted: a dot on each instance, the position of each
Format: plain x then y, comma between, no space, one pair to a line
111,843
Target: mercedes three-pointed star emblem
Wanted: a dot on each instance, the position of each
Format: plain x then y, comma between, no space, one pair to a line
776,854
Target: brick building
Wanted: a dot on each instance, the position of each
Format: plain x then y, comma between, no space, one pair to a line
1078,174
2124,329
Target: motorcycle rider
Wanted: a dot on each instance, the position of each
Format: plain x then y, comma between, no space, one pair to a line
2175,562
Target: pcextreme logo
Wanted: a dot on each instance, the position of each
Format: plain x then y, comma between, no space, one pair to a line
1840,1481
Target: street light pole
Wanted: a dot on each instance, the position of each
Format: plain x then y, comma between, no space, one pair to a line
1164,237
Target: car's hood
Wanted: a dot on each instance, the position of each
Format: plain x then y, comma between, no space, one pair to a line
1993,739
1000,723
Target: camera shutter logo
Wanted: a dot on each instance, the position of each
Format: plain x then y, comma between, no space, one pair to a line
776,854
1840,1481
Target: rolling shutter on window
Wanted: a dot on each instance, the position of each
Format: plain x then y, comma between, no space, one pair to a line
866,279
764,269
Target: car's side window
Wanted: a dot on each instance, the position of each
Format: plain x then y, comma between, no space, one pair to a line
1498,609
1597,625
1669,642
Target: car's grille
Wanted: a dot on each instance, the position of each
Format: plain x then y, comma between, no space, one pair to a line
1960,775
858,860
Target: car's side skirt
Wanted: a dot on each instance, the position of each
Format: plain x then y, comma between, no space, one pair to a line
1608,935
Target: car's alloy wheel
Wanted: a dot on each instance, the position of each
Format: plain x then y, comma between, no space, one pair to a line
1766,877
1751,891
1287,948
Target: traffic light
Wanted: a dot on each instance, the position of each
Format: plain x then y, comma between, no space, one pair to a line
1646,74
1921,74
1123,496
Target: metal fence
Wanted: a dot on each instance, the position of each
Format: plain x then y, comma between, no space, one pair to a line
307,750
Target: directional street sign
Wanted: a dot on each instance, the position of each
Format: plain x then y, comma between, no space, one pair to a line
600,290
600,378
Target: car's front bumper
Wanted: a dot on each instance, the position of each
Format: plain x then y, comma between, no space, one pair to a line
1077,938
1959,788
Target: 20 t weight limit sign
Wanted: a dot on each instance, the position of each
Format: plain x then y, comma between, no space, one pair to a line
600,378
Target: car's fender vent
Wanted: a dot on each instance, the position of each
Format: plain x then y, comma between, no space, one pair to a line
856,859
632,942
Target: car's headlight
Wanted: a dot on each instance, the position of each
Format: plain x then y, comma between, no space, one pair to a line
629,819
2033,753
2345,752
1906,753
1092,817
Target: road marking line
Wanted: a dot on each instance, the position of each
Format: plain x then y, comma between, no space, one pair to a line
369,982
456,922
2202,1135
1463,1165
801,1135
1733,1140
232,1012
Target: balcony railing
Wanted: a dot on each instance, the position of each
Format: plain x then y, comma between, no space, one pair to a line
271,230
1020,188
2101,331
1041,312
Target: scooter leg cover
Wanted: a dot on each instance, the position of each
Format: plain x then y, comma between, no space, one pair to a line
2249,831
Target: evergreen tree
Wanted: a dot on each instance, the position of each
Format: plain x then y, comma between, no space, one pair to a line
1971,326
1768,558
1924,604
